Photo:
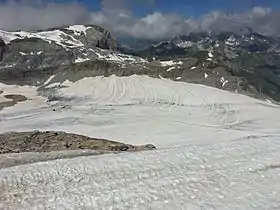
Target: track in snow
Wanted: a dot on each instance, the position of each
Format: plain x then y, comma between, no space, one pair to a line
217,150
140,110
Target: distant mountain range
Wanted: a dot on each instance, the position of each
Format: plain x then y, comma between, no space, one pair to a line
243,62
250,57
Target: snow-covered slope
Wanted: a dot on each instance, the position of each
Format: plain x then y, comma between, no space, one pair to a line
216,150
242,175
67,37
166,111
56,36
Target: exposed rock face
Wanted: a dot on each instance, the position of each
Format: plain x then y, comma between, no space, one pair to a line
2,49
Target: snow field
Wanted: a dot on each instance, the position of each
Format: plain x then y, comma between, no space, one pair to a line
216,149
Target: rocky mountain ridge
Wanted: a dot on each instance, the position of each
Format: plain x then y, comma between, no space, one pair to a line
245,63
40,54
250,58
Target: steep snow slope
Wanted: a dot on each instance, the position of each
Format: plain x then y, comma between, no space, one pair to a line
217,150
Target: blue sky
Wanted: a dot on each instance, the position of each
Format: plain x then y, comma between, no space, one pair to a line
189,8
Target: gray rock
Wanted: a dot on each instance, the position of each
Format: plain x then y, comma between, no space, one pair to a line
48,141
2,49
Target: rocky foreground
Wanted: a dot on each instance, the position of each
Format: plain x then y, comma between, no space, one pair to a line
50,145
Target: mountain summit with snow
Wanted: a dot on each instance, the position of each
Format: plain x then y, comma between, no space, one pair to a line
244,62
40,53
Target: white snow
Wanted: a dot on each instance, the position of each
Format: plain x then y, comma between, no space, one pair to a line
80,60
40,52
206,75
210,55
229,43
117,57
8,66
55,84
194,67
22,53
160,43
171,63
7,36
49,80
178,78
56,36
223,81
209,59
171,68
232,41
216,149
78,29
185,44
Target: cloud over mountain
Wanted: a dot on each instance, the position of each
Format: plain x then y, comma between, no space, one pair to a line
117,17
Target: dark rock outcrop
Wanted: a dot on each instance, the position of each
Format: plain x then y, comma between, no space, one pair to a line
36,141
2,49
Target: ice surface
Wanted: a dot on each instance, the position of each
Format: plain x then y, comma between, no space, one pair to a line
216,149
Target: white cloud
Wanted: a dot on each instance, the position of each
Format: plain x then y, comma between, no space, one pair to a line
116,16
26,15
